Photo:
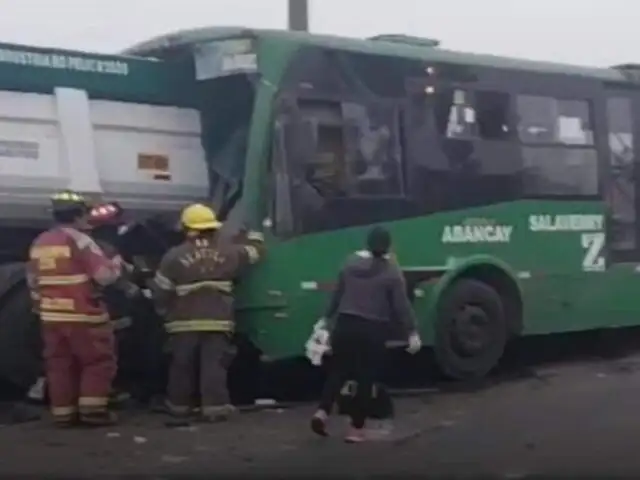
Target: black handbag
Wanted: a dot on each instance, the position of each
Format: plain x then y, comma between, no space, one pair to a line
381,406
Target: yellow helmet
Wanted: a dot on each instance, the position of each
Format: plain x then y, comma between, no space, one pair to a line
68,200
199,217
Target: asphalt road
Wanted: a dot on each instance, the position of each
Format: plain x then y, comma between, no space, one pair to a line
569,419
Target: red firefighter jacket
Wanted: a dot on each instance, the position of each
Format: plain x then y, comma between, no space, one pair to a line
66,267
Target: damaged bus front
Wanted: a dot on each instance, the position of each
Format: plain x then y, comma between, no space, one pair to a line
225,81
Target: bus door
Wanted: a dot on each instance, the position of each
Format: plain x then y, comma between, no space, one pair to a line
621,184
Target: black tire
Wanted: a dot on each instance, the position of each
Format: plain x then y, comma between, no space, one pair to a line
471,330
20,340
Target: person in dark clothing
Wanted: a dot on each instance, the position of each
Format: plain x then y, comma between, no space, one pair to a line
371,293
108,224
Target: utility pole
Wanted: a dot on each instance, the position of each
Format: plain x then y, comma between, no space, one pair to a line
299,15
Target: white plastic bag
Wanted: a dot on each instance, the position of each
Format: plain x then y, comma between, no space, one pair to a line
318,345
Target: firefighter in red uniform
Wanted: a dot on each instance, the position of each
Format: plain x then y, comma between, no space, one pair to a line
194,286
65,271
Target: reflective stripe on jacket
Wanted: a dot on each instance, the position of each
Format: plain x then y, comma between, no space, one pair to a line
199,326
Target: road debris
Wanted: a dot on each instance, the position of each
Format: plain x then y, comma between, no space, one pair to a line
173,459
189,428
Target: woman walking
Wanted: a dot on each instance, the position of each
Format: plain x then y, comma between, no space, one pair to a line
371,293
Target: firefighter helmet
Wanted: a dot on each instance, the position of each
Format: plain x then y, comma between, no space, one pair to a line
105,214
199,217
67,201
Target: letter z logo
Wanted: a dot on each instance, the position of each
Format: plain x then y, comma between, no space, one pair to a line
593,245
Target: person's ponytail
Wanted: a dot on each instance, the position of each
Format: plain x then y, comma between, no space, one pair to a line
379,242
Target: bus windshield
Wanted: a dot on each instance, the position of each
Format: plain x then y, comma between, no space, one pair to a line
225,107
224,72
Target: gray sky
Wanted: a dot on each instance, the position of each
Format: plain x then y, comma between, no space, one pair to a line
593,32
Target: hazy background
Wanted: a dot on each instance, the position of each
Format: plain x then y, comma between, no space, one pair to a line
594,32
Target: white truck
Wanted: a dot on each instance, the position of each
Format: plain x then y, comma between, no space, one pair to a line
117,128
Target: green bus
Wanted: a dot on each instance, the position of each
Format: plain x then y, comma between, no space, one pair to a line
508,185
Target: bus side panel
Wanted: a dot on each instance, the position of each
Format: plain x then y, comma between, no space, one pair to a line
289,291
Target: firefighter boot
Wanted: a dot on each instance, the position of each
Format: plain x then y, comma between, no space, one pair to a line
217,414
65,420
119,399
98,418
179,416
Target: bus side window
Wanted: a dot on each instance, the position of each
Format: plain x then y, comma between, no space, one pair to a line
493,115
326,169
356,151
351,167
621,191
374,154
558,148
462,116
467,115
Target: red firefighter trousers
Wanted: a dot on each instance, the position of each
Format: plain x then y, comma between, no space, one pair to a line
80,362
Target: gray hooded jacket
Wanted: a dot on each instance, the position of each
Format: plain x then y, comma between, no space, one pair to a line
372,288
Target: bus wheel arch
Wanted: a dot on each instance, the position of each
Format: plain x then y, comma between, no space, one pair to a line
479,308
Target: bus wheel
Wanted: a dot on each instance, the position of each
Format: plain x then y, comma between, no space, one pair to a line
471,330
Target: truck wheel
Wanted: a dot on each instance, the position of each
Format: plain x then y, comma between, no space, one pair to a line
20,340
471,330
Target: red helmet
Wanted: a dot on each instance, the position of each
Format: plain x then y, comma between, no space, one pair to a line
105,214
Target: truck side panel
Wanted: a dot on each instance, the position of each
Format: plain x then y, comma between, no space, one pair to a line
147,157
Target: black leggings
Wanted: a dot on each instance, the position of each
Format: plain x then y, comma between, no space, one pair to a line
358,347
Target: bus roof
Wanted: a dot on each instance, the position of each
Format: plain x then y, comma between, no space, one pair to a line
394,45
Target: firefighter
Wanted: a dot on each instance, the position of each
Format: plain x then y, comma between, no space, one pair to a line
64,271
194,286
105,221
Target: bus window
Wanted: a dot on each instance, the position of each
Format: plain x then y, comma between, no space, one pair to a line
558,147
375,167
462,116
573,125
350,166
325,169
473,114
621,192
492,111
545,120
559,171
